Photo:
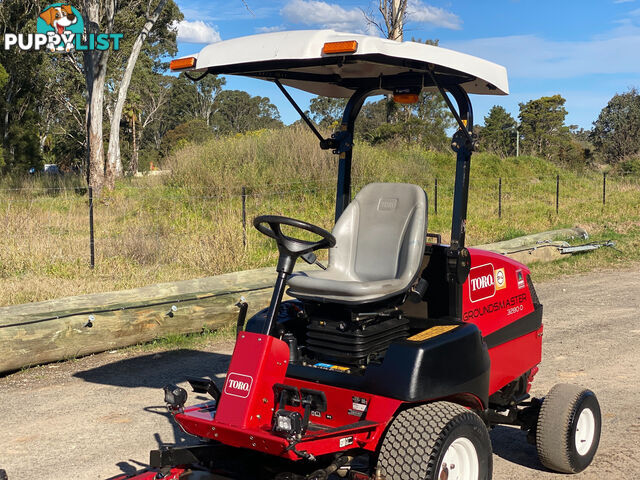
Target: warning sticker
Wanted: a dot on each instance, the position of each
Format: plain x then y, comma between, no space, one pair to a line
328,366
432,332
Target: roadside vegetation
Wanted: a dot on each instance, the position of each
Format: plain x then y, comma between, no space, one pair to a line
205,151
189,224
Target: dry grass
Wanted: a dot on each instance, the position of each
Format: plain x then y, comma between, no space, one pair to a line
189,225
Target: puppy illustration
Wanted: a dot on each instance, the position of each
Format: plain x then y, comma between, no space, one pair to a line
59,18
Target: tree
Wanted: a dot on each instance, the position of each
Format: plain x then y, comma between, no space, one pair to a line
194,131
327,111
393,13
24,86
615,133
499,132
237,111
98,16
542,125
151,15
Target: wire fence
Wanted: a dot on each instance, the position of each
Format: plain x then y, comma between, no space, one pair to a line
63,229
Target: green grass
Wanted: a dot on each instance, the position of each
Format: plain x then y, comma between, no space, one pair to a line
188,224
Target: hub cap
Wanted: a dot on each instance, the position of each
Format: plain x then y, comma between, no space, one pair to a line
460,461
585,431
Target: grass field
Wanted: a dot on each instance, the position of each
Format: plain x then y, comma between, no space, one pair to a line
189,224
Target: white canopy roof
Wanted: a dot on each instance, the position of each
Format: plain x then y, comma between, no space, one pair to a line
296,58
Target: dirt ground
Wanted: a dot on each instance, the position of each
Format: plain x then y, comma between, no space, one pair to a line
99,416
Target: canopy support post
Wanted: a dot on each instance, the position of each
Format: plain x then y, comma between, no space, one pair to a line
299,110
344,148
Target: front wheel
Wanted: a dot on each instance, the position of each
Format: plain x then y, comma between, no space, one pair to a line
568,430
436,441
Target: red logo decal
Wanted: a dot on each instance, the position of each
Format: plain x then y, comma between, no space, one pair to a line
238,385
481,283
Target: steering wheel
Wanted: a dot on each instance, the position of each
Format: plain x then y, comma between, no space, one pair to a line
291,248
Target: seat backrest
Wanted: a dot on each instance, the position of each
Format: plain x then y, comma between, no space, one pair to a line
382,233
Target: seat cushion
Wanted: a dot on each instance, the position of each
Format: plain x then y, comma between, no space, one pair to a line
380,241
320,286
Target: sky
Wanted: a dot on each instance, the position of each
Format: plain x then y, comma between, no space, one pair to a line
585,50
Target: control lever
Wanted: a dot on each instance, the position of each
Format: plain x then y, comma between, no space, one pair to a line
242,315
312,259
416,294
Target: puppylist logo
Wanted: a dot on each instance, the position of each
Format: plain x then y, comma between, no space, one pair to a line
60,28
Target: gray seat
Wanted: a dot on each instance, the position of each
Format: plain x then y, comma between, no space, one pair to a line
380,242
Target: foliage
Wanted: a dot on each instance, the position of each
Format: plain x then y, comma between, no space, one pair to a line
499,133
193,131
237,111
542,126
615,133
326,111
188,225
424,122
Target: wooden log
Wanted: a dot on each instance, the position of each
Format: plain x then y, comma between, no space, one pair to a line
534,239
535,248
54,330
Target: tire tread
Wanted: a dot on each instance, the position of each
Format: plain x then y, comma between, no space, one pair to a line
553,433
414,434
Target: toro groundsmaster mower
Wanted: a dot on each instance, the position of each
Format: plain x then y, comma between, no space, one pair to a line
394,360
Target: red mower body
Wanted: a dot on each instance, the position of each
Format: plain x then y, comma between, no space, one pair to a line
497,298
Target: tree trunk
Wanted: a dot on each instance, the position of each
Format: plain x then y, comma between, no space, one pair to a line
95,65
397,23
134,155
114,160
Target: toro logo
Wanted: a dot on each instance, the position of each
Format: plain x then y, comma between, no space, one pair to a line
238,385
481,283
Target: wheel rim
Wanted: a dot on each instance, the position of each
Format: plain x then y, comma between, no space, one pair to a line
460,461
585,431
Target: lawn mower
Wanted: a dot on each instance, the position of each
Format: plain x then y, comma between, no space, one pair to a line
395,359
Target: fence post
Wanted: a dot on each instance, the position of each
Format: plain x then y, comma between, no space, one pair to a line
500,197
244,217
435,194
91,231
557,193
604,188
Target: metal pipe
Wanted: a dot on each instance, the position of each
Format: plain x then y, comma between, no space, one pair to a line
244,217
557,193
343,189
500,197
92,244
435,194
276,300
298,109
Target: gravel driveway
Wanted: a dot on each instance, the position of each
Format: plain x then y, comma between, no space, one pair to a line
99,416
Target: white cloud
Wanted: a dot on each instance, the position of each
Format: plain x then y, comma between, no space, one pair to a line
623,1
197,32
534,57
418,12
277,28
314,13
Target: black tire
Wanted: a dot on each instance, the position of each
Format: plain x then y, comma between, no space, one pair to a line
557,427
3,475
418,438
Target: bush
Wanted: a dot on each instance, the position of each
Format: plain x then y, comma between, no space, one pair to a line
193,131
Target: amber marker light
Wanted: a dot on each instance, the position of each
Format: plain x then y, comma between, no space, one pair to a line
182,63
340,47
406,98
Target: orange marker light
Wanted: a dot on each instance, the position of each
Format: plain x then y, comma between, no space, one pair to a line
406,98
182,63
340,47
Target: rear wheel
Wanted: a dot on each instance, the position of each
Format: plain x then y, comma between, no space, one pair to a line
568,431
437,441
